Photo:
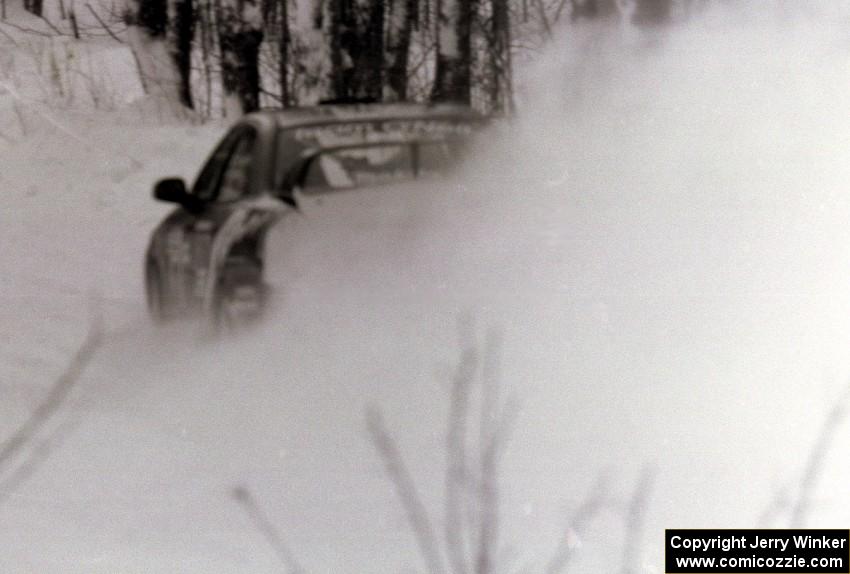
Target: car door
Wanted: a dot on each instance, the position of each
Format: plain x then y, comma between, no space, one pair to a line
228,178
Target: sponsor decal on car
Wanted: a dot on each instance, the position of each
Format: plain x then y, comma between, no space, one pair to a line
391,131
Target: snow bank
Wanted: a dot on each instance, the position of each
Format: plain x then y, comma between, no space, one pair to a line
76,191
59,73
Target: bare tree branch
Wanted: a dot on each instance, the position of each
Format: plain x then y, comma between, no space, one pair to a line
9,37
52,25
102,23
27,30
55,397
560,8
406,489
489,445
817,456
37,456
635,520
544,20
778,505
456,463
261,521
578,523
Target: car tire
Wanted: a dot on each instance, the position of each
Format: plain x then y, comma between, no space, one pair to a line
240,294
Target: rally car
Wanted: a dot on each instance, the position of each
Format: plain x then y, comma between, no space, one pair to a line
207,256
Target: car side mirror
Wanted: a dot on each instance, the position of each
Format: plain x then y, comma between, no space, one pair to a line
290,201
173,190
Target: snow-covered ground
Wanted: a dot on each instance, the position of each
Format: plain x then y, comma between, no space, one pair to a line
662,240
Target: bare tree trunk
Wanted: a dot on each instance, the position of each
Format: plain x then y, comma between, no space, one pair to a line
283,53
453,81
399,30
75,29
152,17
370,64
181,34
155,51
205,21
340,24
357,46
240,33
33,6
501,88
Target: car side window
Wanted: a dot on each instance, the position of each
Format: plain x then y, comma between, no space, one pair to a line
207,182
236,178
225,176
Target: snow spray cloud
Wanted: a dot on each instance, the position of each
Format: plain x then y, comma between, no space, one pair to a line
671,218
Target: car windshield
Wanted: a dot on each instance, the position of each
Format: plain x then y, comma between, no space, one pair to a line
353,167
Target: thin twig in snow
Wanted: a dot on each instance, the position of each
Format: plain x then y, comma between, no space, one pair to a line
635,520
55,397
547,28
559,10
817,456
102,23
489,445
778,505
52,25
406,489
9,36
261,521
578,523
456,463
26,30
37,456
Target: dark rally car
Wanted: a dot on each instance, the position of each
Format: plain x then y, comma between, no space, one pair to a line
207,256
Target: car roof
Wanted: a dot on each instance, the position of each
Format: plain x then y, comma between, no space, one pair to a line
336,113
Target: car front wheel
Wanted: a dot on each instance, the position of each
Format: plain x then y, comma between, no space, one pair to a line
240,294
153,288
